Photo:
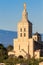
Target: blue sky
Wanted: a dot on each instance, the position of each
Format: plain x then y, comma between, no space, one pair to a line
11,14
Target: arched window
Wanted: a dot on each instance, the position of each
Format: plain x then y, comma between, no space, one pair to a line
19,47
24,34
20,29
20,34
24,29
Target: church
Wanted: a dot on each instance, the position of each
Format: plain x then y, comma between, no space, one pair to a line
26,44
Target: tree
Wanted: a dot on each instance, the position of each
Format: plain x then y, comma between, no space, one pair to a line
10,48
3,53
1,46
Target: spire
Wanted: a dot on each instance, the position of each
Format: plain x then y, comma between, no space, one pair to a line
25,14
24,6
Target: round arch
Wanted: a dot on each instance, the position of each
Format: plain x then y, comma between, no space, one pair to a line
20,56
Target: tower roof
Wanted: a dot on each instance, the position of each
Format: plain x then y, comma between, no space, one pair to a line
25,14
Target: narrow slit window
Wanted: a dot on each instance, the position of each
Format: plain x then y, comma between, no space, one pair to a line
19,47
24,34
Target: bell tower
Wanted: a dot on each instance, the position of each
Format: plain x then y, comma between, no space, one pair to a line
23,45
24,26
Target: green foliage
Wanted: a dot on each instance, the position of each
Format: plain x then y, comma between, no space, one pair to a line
9,64
32,61
13,60
3,53
40,59
10,48
1,46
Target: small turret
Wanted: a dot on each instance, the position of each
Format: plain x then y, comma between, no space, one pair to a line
37,37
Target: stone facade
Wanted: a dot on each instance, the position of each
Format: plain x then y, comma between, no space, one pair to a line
25,44
41,63
24,39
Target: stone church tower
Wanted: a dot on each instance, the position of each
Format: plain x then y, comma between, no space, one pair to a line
26,45
24,26
23,45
